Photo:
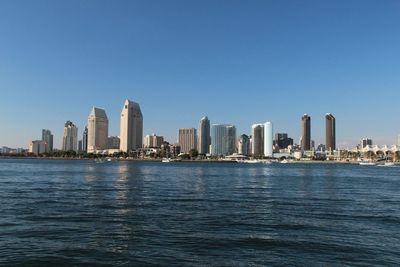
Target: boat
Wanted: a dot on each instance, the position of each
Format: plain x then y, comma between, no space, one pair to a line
387,164
367,163
166,160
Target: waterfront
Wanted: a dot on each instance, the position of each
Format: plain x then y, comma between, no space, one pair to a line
147,213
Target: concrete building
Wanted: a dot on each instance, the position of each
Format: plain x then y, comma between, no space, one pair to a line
153,141
268,139
330,132
131,128
223,139
204,138
305,139
85,139
187,139
257,132
37,147
244,145
48,138
283,141
70,137
97,136
398,140
113,142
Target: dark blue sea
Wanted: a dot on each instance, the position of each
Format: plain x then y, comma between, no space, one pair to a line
124,213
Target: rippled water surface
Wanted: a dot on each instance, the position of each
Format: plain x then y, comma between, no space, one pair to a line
79,213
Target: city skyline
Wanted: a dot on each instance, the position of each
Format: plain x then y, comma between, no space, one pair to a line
175,56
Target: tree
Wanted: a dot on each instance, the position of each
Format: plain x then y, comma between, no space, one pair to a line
193,153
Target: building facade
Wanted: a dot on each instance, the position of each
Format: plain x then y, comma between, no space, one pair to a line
48,138
37,147
366,142
113,142
330,132
257,132
268,139
97,130
223,139
70,137
131,127
187,139
153,141
283,141
204,138
305,140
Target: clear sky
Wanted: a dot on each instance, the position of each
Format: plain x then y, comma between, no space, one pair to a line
239,62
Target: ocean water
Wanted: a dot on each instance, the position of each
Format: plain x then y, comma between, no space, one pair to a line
120,213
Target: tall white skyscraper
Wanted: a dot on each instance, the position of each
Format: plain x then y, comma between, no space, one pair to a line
204,138
131,128
187,139
257,132
268,139
70,137
223,139
97,130
398,140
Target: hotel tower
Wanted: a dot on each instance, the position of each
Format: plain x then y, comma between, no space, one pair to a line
97,130
131,128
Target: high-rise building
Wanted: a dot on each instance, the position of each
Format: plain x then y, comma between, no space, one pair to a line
153,141
223,139
268,139
366,142
187,139
330,132
305,132
85,139
131,130
70,137
37,147
258,140
244,145
398,140
48,138
282,140
97,130
204,139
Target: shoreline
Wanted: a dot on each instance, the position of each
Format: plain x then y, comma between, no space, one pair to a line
352,162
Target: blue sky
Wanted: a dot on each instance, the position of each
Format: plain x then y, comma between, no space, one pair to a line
239,62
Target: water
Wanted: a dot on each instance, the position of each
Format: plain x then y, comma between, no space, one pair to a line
79,213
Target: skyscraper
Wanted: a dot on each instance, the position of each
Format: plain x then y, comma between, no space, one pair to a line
305,132
268,139
97,130
70,137
131,130
223,139
204,138
244,145
258,140
48,138
330,132
85,139
187,139
398,140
